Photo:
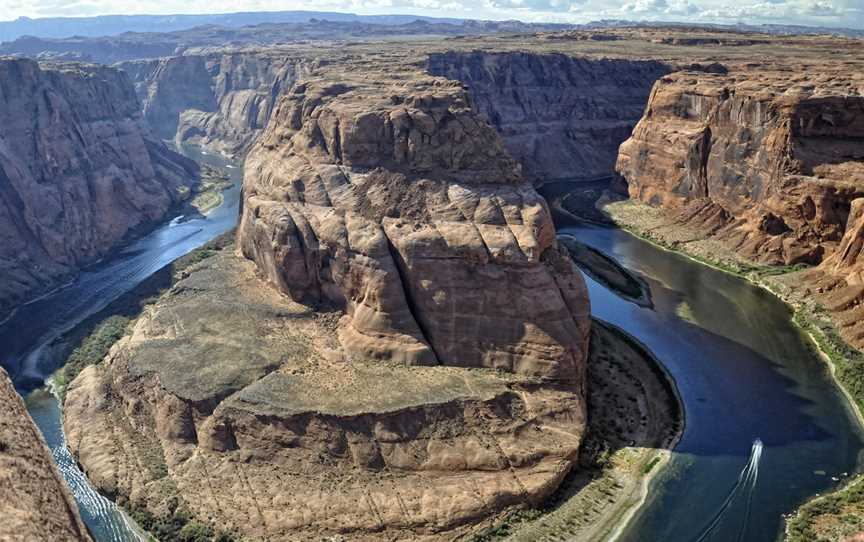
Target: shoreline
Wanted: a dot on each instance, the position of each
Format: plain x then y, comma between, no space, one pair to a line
796,309
804,321
665,455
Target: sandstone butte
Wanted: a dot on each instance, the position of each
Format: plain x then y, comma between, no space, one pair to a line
79,171
439,382
34,501
416,365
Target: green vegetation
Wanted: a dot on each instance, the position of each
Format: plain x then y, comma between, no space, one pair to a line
801,527
180,527
91,340
650,465
507,526
848,362
92,349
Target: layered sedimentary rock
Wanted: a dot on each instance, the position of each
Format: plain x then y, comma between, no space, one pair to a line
220,101
770,165
433,376
402,206
79,170
233,406
34,501
561,116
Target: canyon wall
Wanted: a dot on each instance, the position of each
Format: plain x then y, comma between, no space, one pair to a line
562,117
769,165
34,501
79,171
220,101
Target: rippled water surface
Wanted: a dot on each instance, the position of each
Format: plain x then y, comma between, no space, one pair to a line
32,335
765,426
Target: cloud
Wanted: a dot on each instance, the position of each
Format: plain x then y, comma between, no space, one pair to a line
816,12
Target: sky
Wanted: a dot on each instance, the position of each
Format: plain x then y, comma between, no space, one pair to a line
848,13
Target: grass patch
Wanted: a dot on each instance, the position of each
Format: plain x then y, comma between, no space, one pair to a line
92,349
179,526
650,465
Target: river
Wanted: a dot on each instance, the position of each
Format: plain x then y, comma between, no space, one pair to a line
766,427
34,334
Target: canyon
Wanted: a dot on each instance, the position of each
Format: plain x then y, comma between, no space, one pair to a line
395,320
79,172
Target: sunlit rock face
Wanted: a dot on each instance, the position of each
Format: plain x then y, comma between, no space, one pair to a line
770,167
402,206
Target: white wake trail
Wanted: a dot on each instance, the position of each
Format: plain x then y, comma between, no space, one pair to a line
747,482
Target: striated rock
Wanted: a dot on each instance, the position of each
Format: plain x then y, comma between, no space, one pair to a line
446,387
79,171
768,165
561,116
34,501
403,208
219,101
231,404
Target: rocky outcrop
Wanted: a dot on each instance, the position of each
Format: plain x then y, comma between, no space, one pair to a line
79,171
770,167
231,405
562,117
34,501
433,377
403,207
219,101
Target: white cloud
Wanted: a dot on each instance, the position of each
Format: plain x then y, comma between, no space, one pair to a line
819,12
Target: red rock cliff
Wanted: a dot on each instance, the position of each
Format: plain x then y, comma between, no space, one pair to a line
768,164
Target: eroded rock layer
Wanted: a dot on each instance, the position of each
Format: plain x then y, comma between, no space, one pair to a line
34,501
232,405
433,376
401,205
562,117
768,164
220,100
79,170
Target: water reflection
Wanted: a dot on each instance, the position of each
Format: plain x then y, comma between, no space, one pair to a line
746,374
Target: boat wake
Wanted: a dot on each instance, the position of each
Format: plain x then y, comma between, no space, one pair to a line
743,487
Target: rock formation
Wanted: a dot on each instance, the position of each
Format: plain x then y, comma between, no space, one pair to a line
220,101
447,386
79,170
562,117
768,164
34,501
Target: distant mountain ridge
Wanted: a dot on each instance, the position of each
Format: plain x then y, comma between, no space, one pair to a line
108,25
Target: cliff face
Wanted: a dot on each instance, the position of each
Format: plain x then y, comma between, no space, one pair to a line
219,101
768,165
78,171
562,117
406,210
34,501
442,344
